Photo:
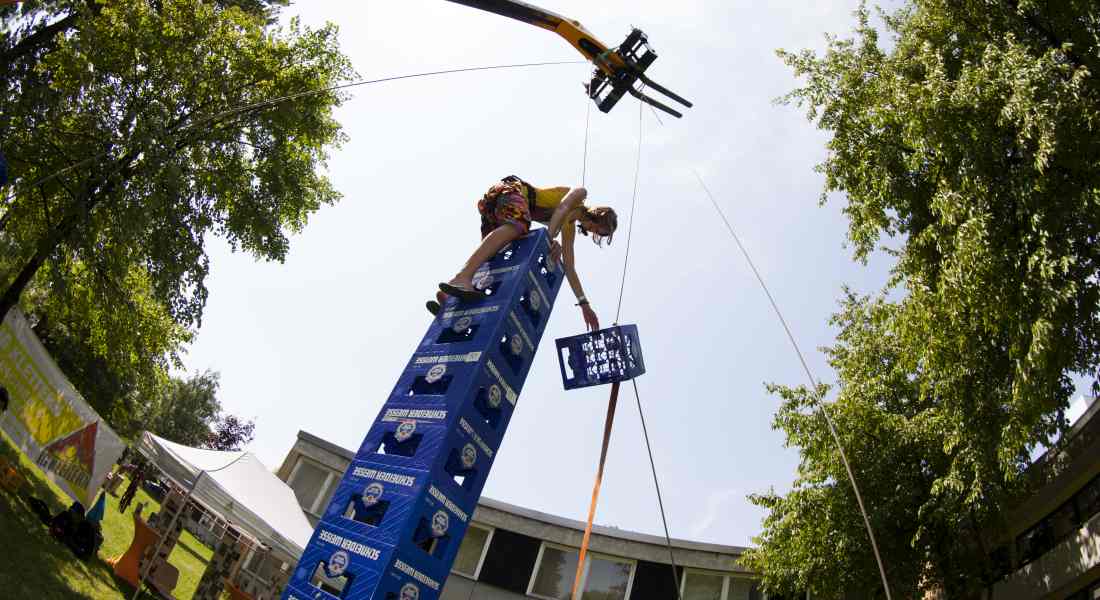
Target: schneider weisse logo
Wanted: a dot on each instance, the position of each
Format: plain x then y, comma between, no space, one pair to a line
373,493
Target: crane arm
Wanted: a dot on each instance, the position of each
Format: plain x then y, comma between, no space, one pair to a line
617,70
572,31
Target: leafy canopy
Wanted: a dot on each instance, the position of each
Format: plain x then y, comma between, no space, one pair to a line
970,145
129,147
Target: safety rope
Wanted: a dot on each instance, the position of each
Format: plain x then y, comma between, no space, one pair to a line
660,501
611,403
633,202
587,126
813,384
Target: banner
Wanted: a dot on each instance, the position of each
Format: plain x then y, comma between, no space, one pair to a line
48,419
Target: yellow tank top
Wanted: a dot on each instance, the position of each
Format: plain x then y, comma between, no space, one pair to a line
550,197
546,201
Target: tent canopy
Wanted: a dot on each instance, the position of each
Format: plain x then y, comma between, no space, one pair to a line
240,488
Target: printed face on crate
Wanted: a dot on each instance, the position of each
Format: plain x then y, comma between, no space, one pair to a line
469,456
435,373
410,592
338,563
440,523
405,430
373,493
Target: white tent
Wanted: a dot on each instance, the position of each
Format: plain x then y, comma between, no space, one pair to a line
240,488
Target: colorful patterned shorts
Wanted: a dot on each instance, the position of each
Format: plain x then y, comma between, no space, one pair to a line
504,204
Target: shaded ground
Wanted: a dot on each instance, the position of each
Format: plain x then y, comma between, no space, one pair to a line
37,566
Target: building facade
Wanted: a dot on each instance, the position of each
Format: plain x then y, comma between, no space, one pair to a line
513,553
1052,548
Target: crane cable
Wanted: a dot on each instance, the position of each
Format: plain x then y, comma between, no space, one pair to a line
279,99
813,383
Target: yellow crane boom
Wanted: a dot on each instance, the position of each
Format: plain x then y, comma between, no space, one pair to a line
617,69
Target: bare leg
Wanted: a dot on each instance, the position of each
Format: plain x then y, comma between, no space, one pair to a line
490,245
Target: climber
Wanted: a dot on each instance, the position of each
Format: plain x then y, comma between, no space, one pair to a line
508,209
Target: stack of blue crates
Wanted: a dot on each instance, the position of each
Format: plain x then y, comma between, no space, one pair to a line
396,520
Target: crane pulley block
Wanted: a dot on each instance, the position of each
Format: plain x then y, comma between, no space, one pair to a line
619,71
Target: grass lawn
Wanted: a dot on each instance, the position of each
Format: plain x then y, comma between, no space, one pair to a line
36,566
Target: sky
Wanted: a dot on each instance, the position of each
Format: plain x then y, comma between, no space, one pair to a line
316,343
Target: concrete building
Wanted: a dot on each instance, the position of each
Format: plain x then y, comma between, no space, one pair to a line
512,553
1052,549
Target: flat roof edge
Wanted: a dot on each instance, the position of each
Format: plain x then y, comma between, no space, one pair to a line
535,515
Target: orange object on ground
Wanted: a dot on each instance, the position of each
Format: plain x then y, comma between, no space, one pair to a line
127,565
11,478
235,593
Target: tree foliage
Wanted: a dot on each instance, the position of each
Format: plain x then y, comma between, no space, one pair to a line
970,144
134,131
230,433
187,411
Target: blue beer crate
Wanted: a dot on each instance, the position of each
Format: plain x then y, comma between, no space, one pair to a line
487,388
339,564
448,378
335,565
499,278
435,377
458,457
473,329
426,528
375,499
599,357
535,302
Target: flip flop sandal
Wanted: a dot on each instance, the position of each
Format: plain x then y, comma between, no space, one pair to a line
464,294
433,307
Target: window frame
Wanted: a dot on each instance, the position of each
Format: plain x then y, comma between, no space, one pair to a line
329,481
689,571
484,550
584,574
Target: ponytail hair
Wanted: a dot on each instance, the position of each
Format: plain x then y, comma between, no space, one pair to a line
602,215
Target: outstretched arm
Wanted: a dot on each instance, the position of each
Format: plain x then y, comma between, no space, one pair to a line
568,236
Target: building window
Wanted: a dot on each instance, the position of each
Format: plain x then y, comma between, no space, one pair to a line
1034,542
554,572
471,554
1088,499
698,585
306,480
739,589
604,577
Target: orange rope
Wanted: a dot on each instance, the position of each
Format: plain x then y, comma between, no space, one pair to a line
596,488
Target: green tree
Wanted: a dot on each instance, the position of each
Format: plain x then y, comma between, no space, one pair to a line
114,357
970,145
136,129
187,411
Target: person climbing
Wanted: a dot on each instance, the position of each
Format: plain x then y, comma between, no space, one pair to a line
508,209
